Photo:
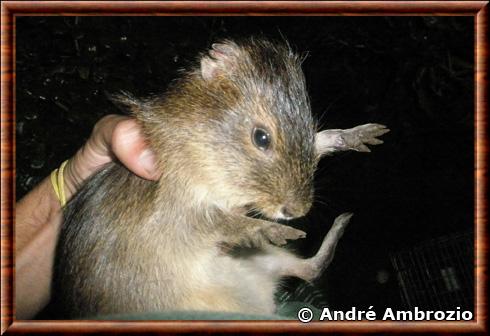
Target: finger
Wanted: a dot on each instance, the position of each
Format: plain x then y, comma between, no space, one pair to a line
129,146
92,155
96,152
100,141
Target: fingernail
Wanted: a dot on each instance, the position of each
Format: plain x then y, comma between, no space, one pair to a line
147,161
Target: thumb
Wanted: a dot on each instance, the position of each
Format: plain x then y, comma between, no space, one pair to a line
130,147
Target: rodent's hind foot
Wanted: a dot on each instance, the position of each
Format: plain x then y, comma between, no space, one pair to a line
313,267
358,137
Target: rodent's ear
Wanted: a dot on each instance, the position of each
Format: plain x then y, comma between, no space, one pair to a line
219,59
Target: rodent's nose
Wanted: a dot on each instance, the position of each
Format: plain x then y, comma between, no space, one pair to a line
286,212
290,211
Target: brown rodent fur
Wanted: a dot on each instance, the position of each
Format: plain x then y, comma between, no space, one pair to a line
234,133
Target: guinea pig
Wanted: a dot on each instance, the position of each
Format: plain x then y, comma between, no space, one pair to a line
234,133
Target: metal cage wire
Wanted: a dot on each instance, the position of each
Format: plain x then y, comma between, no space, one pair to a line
437,274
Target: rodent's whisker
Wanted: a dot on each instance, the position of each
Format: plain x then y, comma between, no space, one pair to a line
320,201
325,111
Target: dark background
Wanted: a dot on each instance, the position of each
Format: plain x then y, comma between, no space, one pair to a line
413,74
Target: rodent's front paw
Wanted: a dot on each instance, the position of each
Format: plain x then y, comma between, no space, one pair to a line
251,238
356,138
278,234
260,234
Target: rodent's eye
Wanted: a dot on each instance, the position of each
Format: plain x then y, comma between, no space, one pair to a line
261,138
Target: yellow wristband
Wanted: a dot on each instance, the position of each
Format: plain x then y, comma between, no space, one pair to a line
58,182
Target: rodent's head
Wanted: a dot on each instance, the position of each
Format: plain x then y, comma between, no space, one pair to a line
239,128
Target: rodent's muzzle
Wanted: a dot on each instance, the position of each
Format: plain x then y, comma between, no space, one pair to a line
284,211
292,210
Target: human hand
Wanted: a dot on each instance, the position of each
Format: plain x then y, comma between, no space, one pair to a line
113,137
38,214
